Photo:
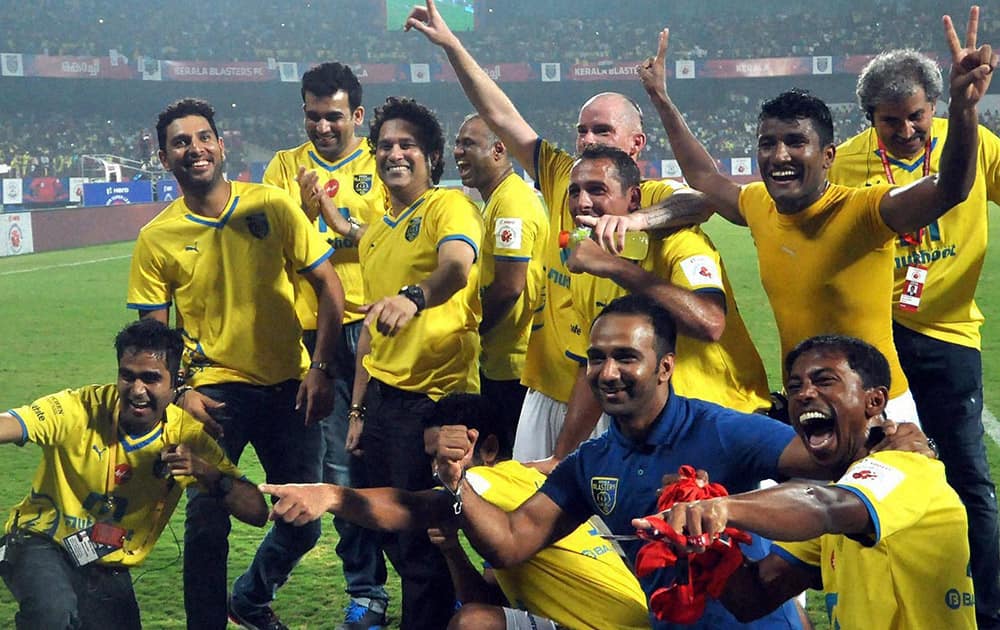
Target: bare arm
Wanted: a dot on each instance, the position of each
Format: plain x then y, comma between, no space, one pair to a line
470,585
701,316
355,422
313,195
244,500
11,431
455,259
502,538
316,390
496,109
509,280
912,207
698,167
757,588
683,208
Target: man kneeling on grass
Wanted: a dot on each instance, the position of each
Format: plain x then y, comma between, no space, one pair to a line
114,460
887,541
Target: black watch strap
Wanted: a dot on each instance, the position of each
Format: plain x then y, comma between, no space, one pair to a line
415,294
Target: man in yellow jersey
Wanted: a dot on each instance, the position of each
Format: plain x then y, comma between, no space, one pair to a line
220,255
420,341
578,581
335,161
935,317
886,541
607,118
114,460
683,272
825,251
512,276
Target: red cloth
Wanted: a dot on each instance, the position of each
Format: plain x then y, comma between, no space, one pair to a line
700,575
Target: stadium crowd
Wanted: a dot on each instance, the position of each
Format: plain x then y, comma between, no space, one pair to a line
415,363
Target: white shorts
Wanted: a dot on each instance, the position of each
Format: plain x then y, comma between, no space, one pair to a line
539,425
902,408
522,620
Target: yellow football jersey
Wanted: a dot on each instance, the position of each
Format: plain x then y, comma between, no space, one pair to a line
828,268
87,475
516,230
728,372
437,352
356,189
547,368
578,581
952,248
226,277
913,573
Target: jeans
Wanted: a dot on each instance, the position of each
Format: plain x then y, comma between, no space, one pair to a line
289,451
393,443
53,593
358,548
947,384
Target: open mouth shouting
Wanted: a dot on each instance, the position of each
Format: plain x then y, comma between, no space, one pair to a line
819,432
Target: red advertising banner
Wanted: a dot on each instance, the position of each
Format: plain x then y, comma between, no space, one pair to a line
764,67
217,71
604,71
497,71
76,68
380,72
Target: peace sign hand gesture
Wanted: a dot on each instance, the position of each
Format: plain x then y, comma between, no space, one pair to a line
971,67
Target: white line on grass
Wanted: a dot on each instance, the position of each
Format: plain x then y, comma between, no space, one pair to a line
72,264
991,425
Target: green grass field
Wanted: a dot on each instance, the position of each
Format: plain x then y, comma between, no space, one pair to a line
60,311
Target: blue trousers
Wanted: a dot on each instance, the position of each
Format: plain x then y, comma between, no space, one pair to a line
358,548
53,593
947,384
289,451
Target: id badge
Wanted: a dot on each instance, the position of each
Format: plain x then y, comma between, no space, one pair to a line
913,287
93,543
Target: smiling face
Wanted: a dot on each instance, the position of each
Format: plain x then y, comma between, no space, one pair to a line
477,155
610,119
402,164
596,190
145,388
830,408
193,154
793,163
903,126
330,123
623,369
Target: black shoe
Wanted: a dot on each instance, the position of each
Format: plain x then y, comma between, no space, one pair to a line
261,619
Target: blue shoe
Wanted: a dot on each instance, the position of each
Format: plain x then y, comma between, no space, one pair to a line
357,616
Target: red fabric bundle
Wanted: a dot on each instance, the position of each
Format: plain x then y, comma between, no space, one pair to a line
699,575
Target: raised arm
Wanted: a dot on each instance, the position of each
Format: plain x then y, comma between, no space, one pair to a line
912,207
492,104
696,164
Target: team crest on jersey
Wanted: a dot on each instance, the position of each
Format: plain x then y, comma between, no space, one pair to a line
605,493
258,225
413,228
362,184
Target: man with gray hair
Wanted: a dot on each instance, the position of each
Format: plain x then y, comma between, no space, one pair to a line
935,318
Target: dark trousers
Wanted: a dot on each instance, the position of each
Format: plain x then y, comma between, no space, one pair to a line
393,443
358,548
289,453
53,593
505,398
947,384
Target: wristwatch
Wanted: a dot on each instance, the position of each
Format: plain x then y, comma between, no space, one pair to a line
322,366
415,294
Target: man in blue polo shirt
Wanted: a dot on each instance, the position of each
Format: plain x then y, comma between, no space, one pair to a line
617,476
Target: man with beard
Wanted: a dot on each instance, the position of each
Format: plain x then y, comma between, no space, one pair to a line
826,244
886,542
545,428
512,276
334,162
936,320
114,460
219,255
